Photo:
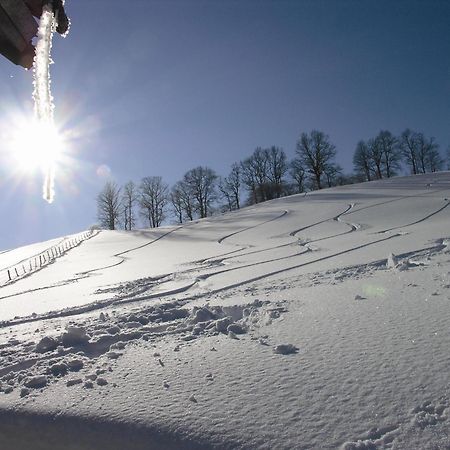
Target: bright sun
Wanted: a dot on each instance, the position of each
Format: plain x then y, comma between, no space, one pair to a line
36,146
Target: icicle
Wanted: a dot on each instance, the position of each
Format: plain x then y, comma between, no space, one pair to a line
43,100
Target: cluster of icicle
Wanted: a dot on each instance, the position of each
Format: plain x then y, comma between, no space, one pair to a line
42,95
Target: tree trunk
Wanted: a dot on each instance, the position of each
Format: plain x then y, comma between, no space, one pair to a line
319,184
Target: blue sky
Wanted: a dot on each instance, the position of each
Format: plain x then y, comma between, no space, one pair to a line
149,87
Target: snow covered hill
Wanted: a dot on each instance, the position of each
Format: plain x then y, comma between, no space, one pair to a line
313,321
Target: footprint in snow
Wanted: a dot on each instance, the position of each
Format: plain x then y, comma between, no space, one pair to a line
429,414
101,381
375,438
285,349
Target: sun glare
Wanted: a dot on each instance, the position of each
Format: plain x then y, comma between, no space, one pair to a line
36,146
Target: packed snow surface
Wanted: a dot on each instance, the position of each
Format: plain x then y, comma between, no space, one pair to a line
315,321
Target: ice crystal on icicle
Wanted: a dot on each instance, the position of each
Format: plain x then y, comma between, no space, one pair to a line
42,95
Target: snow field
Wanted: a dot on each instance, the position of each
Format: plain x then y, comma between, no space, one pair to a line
317,321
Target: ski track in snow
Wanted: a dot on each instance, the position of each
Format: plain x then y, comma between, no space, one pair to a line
298,266
119,255
138,295
84,275
223,257
136,298
284,213
423,219
82,361
89,272
402,197
218,258
223,238
335,218
108,302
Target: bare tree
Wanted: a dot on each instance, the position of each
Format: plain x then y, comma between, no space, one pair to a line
315,152
333,173
409,144
255,170
129,199
230,187
276,170
177,203
263,174
428,156
259,163
108,205
225,193
298,174
376,156
389,147
343,179
362,161
234,184
153,199
249,180
201,183
434,160
182,201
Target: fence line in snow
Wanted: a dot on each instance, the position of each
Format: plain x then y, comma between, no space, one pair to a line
42,259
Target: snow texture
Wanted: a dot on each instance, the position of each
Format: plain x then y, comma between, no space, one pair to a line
289,324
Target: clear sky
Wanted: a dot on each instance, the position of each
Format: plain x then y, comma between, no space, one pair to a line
148,87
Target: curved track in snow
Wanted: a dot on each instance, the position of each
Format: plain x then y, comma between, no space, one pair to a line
336,218
423,219
124,252
253,226
185,288
87,273
197,276
397,199
277,272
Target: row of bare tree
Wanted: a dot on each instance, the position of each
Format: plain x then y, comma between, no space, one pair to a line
383,155
264,175
193,196
267,173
